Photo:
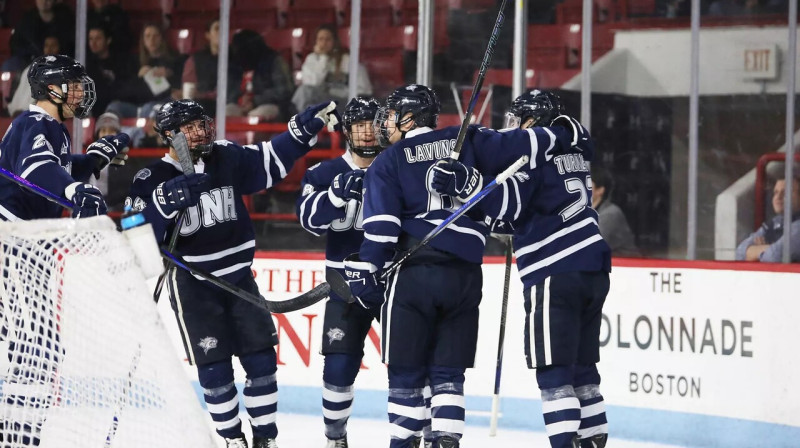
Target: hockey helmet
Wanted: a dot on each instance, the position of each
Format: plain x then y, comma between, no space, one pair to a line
171,116
542,106
415,99
361,109
62,71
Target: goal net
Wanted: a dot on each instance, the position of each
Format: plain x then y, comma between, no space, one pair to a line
85,360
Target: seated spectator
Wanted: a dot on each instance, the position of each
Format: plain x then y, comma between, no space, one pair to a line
110,70
736,8
325,72
266,81
200,73
613,226
107,124
113,18
48,18
158,80
766,243
146,135
22,96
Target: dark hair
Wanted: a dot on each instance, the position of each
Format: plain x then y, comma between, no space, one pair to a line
99,26
211,23
248,49
602,178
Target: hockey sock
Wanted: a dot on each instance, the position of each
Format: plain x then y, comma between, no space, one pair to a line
222,399
261,392
560,407
593,408
447,402
406,404
426,430
338,375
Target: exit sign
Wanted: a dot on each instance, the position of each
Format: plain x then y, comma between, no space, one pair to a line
759,62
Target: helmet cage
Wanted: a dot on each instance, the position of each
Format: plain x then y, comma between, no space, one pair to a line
84,107
202,130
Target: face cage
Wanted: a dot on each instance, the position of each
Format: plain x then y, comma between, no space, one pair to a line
379,126
362,151
202,149
512,121
84,108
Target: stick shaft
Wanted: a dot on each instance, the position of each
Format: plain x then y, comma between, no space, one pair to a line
35,189
500,342
487,60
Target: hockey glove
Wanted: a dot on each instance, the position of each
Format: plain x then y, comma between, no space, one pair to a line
113,150
346,187
179,193
305,126
499,226
87,199
575,131
362,277
453,178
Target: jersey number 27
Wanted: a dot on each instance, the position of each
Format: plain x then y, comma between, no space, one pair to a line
575,185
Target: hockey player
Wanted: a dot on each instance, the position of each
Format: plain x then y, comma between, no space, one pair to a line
563,262
429,312
217,235
331,203
37,146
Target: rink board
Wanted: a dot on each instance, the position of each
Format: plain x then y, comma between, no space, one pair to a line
693,354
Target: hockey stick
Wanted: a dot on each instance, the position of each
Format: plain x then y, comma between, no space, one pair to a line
126,390
503,310
339,284
307,299
487,60
35,189
181,147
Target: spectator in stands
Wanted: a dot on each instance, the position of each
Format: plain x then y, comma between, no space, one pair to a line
48,18
115,20
766,243
613,226
106,124
266,80
325,72
200,73
22,96
109,69
145,136
674,8
158,79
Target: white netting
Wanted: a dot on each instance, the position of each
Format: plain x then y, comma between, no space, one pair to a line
85,360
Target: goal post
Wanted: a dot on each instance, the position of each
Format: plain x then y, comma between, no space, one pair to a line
85,360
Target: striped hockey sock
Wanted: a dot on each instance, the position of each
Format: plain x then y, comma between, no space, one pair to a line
593,414
337,404
447,410
223,405
261,401
562,415
406,415
426,430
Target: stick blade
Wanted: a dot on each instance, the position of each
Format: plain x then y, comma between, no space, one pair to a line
319,292
181,147
339,285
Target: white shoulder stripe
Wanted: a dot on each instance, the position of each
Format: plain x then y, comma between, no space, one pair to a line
267,163
534,147
383,218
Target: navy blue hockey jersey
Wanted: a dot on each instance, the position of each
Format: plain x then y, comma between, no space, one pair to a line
36,147
397,198
217,233
555,227
344,226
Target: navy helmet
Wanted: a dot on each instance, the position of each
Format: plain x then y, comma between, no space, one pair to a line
415,99
61,71
542,106
171,116
361,109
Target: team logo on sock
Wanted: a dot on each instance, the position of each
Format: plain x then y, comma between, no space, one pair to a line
335,334
207,343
